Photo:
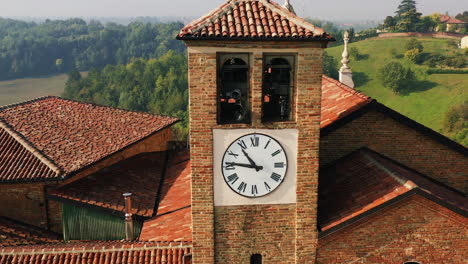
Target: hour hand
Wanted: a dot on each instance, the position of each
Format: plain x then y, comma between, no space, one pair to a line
244,165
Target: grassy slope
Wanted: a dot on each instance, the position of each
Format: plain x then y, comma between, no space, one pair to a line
434,94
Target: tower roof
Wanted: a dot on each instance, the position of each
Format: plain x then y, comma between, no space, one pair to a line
255,20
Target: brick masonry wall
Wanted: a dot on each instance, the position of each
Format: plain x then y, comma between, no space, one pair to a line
24,202
256,233
414,229
27,202
202,82
55,216
399,142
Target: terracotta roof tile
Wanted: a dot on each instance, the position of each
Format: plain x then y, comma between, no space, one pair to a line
339,100
140,175
98,252
364,180
71,135
173,221
252,19
13,233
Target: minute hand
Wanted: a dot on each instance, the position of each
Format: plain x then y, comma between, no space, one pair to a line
244,165
257,168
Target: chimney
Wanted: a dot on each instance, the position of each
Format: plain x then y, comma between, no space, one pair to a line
128,217
288,6
346,75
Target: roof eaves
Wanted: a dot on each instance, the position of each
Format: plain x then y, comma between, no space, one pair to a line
107,210
31,148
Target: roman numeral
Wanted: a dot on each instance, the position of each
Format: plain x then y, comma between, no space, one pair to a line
233,154
254,141
242,187
254,190
276,152
267,187
233,178
268,143
276,177
242,144
279,164
229,166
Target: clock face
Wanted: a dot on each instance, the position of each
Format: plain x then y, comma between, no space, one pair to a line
254,165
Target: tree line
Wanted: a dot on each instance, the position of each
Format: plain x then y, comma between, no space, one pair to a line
158,86
57,46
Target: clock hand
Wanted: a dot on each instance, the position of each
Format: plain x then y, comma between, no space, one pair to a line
257,168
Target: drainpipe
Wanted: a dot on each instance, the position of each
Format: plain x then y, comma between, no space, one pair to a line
128,217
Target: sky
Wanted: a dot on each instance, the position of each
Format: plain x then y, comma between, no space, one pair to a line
324,9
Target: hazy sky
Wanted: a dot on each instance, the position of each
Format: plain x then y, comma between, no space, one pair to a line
323,9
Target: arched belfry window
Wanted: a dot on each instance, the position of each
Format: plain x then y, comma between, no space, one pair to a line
256,259
233,89
278,88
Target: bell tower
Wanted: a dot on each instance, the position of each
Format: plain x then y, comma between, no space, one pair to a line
255,74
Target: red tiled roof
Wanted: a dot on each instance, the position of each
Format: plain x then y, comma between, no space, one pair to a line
339,100
140,175
71,135
173,221
364,180
254,20
13,233
450,20
17,162
98,252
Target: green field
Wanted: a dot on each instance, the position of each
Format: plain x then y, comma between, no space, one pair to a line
432,95
19,90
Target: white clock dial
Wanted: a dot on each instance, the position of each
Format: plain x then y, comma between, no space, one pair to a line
254,165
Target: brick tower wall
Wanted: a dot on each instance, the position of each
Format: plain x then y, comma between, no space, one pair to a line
281,233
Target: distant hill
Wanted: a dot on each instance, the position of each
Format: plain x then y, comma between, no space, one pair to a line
431,97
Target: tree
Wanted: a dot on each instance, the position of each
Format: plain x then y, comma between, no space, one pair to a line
389,23
463,16
407,16
396,77
405,6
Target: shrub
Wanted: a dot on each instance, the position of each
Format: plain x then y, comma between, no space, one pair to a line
435,60
354,53
456,62
396,77
330,66
446,71
394,53
414,44
413,55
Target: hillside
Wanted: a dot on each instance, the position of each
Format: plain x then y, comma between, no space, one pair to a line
432,95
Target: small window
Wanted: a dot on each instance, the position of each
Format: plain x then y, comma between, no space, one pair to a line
256,259
233,89
277,88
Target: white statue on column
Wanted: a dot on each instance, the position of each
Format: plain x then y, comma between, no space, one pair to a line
346,75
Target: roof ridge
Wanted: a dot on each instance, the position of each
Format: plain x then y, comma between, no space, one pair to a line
347,88
3,107
81,102
31,147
